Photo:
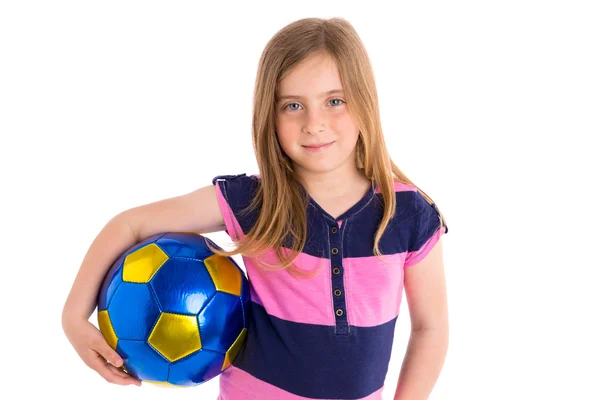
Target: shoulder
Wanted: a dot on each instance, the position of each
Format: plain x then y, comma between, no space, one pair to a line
409,201
416,213
239,179
236,185
235,194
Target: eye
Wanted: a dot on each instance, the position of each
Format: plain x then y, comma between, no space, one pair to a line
286,107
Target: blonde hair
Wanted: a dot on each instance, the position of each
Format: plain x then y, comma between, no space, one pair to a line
280,200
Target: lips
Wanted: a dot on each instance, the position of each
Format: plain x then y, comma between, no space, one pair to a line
316,146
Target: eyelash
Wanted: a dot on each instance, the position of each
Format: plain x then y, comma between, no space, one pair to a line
286,109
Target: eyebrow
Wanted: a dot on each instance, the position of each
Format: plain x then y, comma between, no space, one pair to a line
330,92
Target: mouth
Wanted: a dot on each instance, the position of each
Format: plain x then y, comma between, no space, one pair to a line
318,146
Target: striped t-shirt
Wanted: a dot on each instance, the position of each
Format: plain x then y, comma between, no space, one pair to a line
329,336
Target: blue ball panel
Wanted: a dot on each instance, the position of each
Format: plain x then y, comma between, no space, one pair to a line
182,286
143,243
111,282
185,245
133,311
220,322
142,361
197,368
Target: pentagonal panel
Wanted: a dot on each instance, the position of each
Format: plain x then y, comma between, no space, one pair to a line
199,367
133,311
185,245
141,265
225,274
107,329
182,286
234,350
220,322
142,361
175,336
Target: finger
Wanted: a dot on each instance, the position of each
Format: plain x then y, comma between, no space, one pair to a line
100,365
109,354
120,372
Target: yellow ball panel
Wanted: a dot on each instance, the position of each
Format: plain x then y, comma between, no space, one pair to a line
107,329
226,277
165,384
175,336
234,349
141,265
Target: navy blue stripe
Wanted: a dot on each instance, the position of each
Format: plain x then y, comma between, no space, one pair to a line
312,361
423,224
414,223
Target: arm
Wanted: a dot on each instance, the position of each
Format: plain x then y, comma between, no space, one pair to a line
197,211
425,289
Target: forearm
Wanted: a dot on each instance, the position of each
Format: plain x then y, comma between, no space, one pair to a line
425,355
116,237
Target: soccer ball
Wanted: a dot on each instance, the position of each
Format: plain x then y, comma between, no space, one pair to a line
175,312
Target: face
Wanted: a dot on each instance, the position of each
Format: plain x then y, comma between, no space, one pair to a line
311,118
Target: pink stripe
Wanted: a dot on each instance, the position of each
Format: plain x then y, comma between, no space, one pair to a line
373,288
232,226
253,296
400,187
414,257
236,384
311,305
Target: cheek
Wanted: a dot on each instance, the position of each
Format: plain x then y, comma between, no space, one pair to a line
342,123
287,131
285,139
347,129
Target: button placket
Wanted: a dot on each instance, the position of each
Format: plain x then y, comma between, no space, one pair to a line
337,281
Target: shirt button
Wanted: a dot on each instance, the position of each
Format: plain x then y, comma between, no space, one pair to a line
336,271
334,251
339,312
333,230
337,292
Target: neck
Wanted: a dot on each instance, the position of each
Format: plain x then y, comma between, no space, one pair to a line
333,184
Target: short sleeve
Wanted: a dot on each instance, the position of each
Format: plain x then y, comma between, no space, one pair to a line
425,230
235,193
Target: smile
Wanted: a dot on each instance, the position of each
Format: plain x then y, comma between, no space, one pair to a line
318,148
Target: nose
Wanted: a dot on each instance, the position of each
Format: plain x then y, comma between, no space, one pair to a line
315,122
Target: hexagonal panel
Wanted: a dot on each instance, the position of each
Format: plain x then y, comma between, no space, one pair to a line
107,329
142,361
133,311
197,368
234,350
182,286
175,336
141,265
226,275
220,322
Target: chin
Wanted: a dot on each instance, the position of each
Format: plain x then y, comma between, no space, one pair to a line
317,168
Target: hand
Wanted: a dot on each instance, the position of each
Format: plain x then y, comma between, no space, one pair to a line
96,352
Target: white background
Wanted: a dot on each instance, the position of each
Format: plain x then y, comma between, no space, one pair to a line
490,107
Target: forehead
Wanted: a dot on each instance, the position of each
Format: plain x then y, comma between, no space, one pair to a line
311,78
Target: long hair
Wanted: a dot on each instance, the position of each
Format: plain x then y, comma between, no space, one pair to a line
279,198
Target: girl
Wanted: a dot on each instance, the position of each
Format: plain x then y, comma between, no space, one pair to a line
330,231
